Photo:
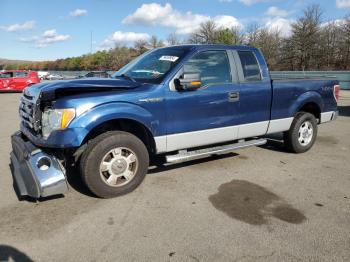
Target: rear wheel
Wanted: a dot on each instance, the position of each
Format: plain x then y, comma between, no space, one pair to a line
302,133
114,164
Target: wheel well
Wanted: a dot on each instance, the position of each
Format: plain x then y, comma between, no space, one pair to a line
127,125
311,108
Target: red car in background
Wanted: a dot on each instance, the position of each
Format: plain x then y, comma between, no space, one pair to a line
17,80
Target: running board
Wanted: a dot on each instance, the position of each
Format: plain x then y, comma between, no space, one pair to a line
183,156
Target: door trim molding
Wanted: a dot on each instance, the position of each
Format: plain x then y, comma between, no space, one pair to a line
172,142
279,125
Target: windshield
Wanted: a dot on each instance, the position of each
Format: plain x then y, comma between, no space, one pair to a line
152,66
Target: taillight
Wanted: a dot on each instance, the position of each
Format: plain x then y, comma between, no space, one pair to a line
336,91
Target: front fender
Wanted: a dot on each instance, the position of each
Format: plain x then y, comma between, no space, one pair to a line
112,111
307,97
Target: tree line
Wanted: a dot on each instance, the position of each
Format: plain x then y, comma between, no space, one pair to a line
311,45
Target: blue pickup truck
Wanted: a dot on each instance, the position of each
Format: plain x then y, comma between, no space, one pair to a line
180,102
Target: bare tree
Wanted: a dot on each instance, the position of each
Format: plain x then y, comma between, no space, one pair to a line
344,43
306,33
154,42
251,36
140,46
206,34
330,50
269,41
173,39
238,36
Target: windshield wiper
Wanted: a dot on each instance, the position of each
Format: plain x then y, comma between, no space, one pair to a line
127,77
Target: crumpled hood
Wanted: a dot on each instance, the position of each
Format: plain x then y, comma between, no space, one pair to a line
52,90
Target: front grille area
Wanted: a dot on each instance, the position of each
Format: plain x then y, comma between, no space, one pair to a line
27,112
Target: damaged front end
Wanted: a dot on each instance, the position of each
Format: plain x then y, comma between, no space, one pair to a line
36,172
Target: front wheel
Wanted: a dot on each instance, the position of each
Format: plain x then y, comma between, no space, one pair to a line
302,133
114,164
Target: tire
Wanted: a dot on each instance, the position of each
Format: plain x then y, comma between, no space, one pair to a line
302,133
105,158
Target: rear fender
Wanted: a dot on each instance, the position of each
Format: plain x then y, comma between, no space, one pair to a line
303,99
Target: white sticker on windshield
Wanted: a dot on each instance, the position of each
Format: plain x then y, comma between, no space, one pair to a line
168,58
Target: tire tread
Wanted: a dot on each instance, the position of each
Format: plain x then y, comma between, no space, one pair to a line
290,136
91,151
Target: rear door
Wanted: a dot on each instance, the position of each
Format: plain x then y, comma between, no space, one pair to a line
255,93
209,114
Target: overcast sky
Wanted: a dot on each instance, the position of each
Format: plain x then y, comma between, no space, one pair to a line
39,30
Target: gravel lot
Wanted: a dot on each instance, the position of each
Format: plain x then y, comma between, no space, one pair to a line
258,204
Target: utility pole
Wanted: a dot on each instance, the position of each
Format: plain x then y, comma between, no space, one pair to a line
91,42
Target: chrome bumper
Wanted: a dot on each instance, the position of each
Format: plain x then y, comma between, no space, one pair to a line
36,173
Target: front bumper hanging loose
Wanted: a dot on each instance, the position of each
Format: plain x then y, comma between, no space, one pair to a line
36,173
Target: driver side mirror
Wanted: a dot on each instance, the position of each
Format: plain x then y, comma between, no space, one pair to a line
188,82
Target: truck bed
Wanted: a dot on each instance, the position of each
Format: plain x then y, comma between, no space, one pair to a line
287,91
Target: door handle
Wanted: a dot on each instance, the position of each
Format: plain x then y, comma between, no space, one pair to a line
233,96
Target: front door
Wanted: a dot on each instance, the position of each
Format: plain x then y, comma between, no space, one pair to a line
20,80
209,114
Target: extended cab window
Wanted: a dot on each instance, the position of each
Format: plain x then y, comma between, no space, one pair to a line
250,66
213,66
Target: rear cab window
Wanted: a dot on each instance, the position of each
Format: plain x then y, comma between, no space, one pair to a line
250,66
213,66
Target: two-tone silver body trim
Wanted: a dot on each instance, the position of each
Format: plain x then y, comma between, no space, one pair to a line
328,116
200,138
279,125
252,129
224,134
205,137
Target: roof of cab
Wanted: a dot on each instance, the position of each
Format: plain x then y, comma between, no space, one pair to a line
213,46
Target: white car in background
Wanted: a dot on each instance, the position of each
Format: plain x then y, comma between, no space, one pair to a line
43,74
54,77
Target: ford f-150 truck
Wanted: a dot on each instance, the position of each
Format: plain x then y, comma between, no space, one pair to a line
179,102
